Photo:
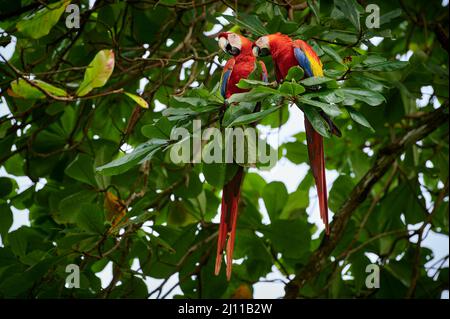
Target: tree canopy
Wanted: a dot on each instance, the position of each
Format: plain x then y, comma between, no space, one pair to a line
87,115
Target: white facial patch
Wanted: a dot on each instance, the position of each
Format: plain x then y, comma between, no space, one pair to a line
223,43
235,40
263,42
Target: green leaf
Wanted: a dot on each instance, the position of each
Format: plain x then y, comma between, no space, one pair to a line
315,8
69,206
139,100
90,218
194,101
386,66
330,109
23,89
342,187
275,196
316,120
296,152
315,80
248,84
98,72
350,9
82,169
327,96
359,118
6,186
6,220
249,22
255,95
369,97
40,23
234,112
290,237
253,117
295,73
295,206
142,152
218,174
291,88
332,53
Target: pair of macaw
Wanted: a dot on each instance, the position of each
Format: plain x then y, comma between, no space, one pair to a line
286,53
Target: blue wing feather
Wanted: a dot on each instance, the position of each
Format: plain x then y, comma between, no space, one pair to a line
303,61
223,86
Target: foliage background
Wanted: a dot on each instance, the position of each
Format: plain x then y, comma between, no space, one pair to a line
390,194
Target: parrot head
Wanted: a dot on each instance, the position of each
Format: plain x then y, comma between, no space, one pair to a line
261,47
265,45
233,43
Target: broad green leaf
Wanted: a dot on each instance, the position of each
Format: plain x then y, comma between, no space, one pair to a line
291,88
142,152
295,206
90,218
315,80
328,96
330,109
23,89
235,111
295,73
253,117
315,8
250,22
296,152
6,186
290,237
248,84
218,174
139,100
98,72
275,196
385,66
342,187
6,220
40,23
194,101
69,206
82,169
369,97
316,120
255,95
359,118
332,53
350,9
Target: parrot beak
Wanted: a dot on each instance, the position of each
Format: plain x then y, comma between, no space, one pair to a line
261,47
230,44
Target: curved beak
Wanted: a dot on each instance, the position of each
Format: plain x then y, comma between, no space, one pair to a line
226,46
260,51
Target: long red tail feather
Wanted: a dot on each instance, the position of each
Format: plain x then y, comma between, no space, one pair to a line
228,219
317,162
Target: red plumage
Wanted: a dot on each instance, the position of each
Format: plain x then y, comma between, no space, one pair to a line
237,68
282,51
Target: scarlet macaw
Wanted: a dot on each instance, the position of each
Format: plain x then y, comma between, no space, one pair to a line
240,66
287,53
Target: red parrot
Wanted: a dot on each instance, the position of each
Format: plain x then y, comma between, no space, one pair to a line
287,53
240,66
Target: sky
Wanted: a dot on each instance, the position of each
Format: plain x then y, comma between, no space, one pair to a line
285,171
